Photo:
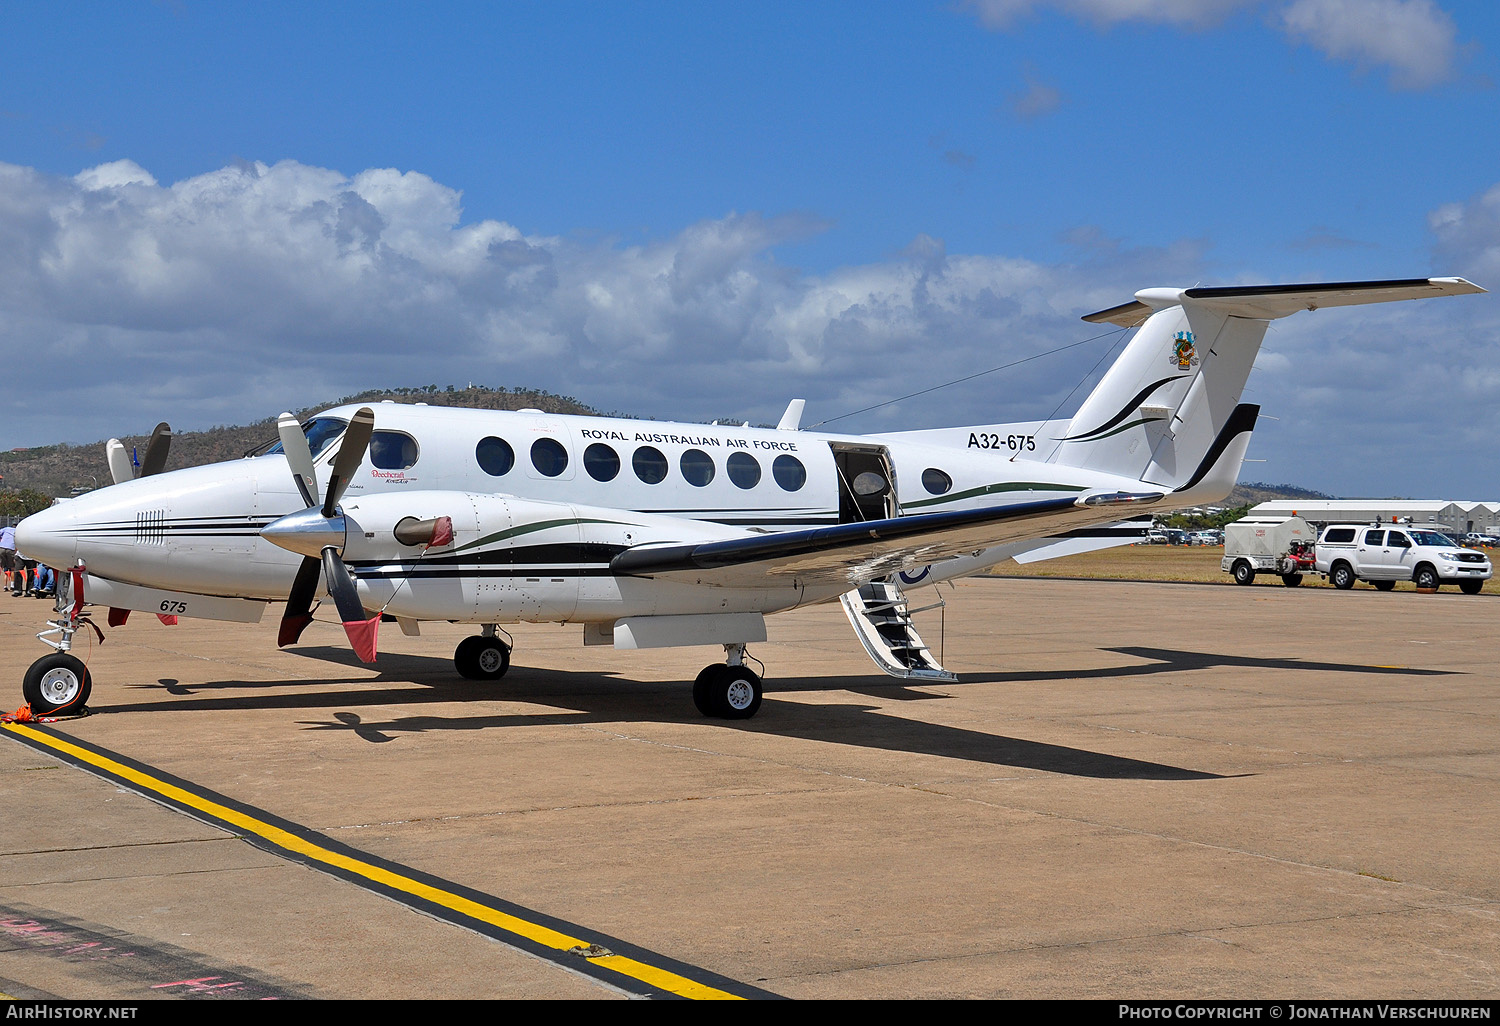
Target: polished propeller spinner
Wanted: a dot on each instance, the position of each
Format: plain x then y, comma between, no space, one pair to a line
319,533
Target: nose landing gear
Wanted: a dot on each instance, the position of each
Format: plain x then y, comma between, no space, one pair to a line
56,683
59,682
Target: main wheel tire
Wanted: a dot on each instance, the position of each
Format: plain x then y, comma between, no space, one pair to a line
1244,573
1426,577
1342,576
1470,587
482,658
727,692
1384,585
55,683
703,690
1291,580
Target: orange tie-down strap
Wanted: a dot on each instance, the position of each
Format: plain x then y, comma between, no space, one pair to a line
25,715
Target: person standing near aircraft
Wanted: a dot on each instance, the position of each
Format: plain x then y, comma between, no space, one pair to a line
43,582
7,551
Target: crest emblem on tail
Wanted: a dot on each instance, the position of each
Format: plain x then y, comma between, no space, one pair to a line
1183,352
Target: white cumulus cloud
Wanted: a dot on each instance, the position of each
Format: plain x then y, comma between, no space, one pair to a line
232,295
1002,14
1414,40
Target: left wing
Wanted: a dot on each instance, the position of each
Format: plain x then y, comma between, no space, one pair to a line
853,554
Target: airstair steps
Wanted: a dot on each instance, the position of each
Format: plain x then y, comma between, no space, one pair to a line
882,620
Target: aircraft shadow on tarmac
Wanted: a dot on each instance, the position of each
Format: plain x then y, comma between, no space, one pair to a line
1167,660
603,697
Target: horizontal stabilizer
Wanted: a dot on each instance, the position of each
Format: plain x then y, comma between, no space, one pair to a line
1130,532
1266,302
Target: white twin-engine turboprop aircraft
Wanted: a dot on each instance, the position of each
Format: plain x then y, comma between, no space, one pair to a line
653,534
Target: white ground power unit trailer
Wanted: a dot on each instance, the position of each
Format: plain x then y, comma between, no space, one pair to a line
1265,545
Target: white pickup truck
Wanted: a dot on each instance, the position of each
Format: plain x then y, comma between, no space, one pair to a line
1386,553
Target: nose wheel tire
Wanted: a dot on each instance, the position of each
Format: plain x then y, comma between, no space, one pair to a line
727,692
57,683
481,658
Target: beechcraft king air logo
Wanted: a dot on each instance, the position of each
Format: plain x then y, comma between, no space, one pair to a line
1184,355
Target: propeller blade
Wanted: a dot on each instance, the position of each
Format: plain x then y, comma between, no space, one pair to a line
298,457
362,632
341,587
120,468
298,612
313,530
156,450
351,454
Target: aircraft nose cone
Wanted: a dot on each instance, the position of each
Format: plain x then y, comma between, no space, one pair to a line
307,532
47,537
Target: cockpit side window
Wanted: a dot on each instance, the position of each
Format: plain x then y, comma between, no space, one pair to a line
319,431
392,450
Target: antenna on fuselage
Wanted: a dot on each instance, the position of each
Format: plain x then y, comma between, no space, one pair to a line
792,418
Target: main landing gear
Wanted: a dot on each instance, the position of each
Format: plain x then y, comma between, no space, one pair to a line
483,657
723,691
728,690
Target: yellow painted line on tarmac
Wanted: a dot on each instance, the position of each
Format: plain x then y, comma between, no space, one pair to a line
653,976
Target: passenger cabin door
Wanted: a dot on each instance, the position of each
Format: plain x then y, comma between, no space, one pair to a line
867,483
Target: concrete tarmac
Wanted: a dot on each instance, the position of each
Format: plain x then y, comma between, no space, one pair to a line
1135,790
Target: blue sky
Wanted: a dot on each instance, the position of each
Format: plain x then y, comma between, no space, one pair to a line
211,212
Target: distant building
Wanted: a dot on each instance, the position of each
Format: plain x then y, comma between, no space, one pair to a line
1444,514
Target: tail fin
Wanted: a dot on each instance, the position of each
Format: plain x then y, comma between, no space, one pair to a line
1168,412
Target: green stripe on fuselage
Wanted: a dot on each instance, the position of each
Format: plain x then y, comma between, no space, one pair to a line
541,525
995,489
